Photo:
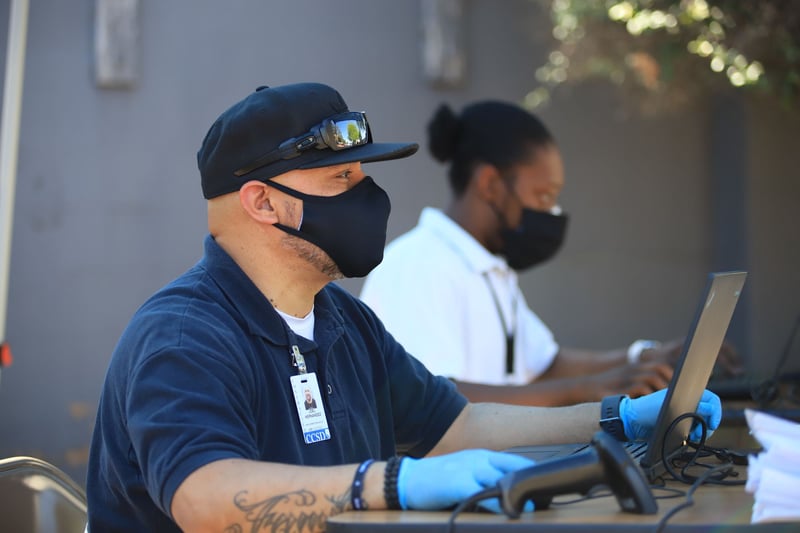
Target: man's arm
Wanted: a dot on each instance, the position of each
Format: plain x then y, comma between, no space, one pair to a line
234,495
498,426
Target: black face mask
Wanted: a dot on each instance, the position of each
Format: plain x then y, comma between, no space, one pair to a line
350,227
537,238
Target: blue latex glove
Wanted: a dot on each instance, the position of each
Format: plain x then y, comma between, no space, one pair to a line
639,415
440,482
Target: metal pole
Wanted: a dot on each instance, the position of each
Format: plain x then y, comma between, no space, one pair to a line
9,144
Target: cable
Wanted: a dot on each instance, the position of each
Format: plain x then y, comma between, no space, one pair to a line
713,475
725,470
665,460
671,492
767,391
703,478
485,494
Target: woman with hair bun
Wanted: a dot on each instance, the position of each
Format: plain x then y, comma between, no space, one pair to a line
448,289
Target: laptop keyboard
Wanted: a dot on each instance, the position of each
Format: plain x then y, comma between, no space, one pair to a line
635,449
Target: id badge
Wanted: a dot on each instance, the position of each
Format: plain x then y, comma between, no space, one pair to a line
310,410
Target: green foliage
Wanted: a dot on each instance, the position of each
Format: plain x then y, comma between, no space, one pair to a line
667,52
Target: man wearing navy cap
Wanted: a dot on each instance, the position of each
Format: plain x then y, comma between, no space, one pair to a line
201,425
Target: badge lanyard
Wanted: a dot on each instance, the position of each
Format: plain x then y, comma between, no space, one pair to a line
508,329
307,398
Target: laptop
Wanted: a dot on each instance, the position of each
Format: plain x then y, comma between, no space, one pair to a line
689,380
764,388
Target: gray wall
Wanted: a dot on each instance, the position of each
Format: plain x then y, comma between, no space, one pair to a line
772,234
109,207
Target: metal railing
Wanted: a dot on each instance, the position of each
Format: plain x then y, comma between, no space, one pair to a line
37,497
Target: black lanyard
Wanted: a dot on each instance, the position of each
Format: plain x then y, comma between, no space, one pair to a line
509,332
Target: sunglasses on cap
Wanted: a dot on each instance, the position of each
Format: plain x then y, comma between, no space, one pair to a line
339,132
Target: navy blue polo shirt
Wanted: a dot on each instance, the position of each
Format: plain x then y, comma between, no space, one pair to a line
202,373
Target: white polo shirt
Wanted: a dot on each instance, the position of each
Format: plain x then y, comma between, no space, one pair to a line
432,294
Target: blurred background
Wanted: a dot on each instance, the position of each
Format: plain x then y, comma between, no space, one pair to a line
675,165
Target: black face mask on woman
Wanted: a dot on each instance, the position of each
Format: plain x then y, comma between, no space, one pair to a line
537,238
350,227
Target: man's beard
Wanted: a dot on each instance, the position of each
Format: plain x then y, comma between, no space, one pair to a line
314,255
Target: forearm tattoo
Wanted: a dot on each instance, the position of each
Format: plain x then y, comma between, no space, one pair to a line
291,512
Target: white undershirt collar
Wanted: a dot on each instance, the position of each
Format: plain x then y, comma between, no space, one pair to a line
301,326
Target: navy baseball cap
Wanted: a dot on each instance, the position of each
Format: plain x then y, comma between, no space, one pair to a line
277,129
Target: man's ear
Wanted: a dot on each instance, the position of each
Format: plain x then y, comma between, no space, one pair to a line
258,201
488,183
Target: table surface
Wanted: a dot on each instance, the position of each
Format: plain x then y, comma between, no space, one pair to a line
716,508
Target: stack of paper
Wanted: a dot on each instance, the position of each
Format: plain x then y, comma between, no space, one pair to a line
773,476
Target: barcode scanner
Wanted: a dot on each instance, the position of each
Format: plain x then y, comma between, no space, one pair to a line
605,462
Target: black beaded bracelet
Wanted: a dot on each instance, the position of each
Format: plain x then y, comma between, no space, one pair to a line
358,486
390,483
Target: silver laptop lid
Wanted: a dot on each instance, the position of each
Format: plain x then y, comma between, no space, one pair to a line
695,364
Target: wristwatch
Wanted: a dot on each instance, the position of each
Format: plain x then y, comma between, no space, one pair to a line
610,422
638,346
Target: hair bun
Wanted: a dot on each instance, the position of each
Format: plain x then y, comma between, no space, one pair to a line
443,133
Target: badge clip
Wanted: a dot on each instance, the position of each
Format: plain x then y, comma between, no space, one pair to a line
298,360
